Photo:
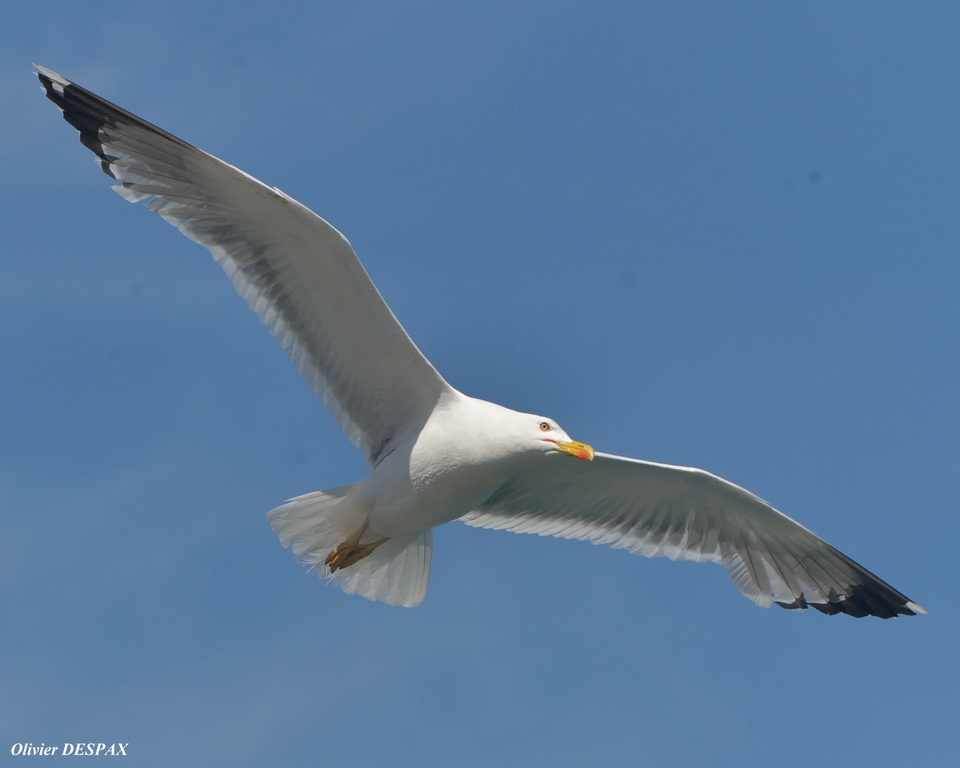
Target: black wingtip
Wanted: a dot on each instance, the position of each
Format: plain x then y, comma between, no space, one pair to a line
89,113
82,112
860,602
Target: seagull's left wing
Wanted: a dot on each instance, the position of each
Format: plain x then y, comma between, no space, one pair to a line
296,271
659,510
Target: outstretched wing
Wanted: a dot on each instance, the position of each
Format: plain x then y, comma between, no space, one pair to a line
297,272
657,510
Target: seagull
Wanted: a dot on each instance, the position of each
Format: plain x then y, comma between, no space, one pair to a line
435,454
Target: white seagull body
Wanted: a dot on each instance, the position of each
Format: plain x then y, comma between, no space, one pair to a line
435,454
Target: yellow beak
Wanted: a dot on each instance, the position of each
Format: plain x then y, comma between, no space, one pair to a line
580,450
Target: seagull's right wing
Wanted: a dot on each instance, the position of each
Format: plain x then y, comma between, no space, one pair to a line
659,510
296,271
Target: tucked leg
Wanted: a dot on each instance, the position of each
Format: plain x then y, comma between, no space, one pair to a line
350,550
359,552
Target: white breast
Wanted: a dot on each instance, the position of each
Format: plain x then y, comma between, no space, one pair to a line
446,470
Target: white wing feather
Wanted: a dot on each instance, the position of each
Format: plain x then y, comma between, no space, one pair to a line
297,272
657,510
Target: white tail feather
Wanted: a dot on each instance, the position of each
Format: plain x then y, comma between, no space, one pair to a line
395,573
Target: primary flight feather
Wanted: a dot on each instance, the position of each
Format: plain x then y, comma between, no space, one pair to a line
435,454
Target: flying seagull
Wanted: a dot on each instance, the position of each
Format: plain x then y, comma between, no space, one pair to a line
436,455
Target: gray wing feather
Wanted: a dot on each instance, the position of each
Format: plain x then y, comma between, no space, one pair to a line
657,510
297,272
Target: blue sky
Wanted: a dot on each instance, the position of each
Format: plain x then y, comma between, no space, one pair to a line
712,235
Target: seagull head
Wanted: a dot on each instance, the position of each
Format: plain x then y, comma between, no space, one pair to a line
555,440
501,433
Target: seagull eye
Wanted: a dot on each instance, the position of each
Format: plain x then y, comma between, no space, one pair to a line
544,426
